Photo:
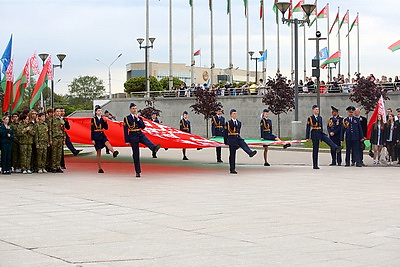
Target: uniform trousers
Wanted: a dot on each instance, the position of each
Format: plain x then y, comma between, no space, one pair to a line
315,142
134,141
56,152
336,157
41,156
25,151
232,153
353,147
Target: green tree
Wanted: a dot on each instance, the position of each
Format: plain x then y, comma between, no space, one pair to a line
164,82
138,84
87,87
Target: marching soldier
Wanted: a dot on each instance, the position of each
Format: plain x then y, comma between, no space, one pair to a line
42,141
314,126
57,140
67,141
217,129
184,125
354,135
234,141
6,135
335,126
15,157
99,139
49,121
154,117
133,125
266,133
25,137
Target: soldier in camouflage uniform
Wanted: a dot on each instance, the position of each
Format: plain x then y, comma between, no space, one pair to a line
25,137
57,132
15,159
33,122
49,121
42,141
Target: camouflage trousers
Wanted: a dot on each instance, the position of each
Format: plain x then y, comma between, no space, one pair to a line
56,152
41,154
25,152
15,159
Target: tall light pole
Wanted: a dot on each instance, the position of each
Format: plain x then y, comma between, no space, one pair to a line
308,9
146,48
316,64
60,57
109,72
251,53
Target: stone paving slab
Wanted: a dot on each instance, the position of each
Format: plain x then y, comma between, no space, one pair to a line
196,214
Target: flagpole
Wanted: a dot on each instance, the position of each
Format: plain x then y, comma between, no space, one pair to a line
212,45
192,43
292,52
278,46
305,52
264,70
147,51
348,44
247,44
327,23
230,43
170,79
316,16
358,43
339,64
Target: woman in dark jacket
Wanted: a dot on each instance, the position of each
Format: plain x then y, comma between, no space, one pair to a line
6,136
390,138
266,133
377,137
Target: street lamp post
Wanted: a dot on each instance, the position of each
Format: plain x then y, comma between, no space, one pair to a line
146,47
109,73
251,53
60,57
308,9
316,64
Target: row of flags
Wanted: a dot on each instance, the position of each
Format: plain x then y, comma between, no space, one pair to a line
14,90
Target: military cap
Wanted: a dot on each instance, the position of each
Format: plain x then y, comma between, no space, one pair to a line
185,112
334,108
97,107
154,113
106,111
265,110
314,106
232,110
218,108
132,105
350,108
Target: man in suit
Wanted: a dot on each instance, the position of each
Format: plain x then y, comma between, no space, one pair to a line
68,142
335,126
217,129
314,127
364,127
233,139
133,125
354,135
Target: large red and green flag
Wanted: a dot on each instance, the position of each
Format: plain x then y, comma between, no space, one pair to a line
345,19
335,58
19,87
297,7
261,8
355,23
336,21
323,13
228,6
395,46
41,84
9,86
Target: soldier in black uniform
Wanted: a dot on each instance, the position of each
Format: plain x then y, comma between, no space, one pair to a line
133,125
314,126
364,127
154,117
68,142
99,139
266,133
184,125
354,135
217,129
233,139
335,127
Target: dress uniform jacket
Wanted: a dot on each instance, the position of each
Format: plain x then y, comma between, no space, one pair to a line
98,125
155,120
335,125
217,125
184,125
266,129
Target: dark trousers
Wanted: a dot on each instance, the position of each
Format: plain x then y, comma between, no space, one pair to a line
218,151
315,142
361,154
136,151
232,153
70,146
6,157
353,148
336,157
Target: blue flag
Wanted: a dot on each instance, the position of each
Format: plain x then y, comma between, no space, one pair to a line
6,57
264,56
323,54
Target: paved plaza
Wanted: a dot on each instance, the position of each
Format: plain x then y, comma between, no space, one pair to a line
194,213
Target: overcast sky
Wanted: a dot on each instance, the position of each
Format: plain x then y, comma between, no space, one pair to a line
88,29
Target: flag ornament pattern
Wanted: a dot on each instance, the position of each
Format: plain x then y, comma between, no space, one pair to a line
9,87
336,21
335,58
45,75
395,46
33,62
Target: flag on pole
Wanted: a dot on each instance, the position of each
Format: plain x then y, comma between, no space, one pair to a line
228,6
323,13
345,19
6,57
261,8
379,109
298,8
395,46
336,21
264,56
275,9
323,54
312,22
245,7
191,2
9,87
45,75
335,58
34,66
210,4
315,9
355,23
19,87
197,53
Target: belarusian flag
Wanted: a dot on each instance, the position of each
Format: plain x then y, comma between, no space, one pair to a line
191,2
315,9
395,46
261,8
312,22
19,87
298,8
355,23
345,19
197,53
45,75
275,9
210,4
335,58
323,13
9,87
379,109
336,21
34,65
228,6
245,7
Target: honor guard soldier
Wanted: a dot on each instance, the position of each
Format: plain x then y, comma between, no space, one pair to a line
266,133
57,132
154,117
364,127
26,133
133,125
6,137
42,141
217,129
98,125
234,141
15,158
335,127
354,135
314,126
184,125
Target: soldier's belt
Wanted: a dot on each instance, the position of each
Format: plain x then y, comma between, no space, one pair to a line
233,134
219,126
134,130
316,128
101,130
